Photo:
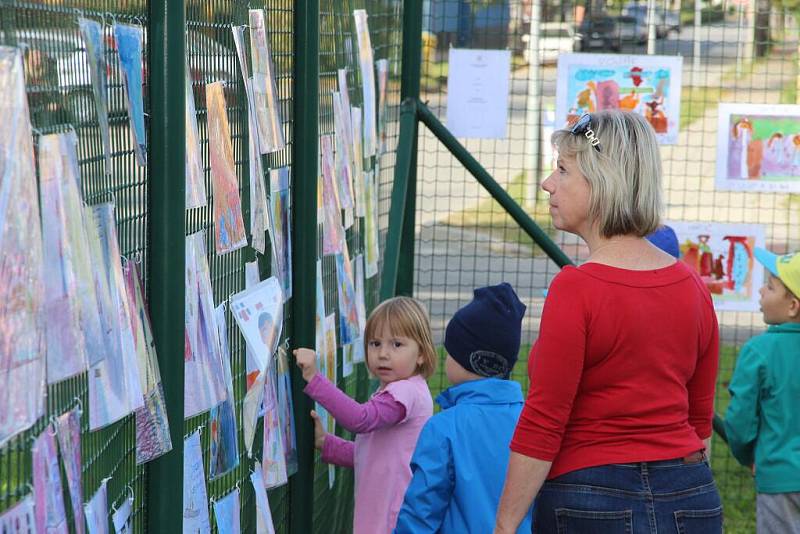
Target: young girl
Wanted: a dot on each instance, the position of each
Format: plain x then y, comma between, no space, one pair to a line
400,354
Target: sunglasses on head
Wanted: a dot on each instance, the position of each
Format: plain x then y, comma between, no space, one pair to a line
584,127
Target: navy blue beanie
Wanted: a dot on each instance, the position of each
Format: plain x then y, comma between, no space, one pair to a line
484,336
665,239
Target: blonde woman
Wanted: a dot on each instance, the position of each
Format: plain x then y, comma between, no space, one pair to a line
618,415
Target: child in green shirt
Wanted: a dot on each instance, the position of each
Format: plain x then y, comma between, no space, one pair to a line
763,418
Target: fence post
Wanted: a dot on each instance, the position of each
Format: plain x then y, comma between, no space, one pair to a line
166,257
305,159
409,88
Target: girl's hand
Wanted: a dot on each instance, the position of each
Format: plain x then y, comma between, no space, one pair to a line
307,362
319,431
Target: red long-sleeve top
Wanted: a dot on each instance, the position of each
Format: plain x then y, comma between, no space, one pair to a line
623,370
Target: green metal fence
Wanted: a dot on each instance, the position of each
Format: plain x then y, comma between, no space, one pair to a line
310,40
464,238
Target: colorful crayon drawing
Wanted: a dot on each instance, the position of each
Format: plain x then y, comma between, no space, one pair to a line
226,512
371,224
358,168
204,386
258,312
20,518
348,312
195,178
358,345
152,425
329,358
265,91
69,441
722,254
274,458
66,352
129,47
22,359
228,223
367,67
122,374
92,33
256,373
50,515
332,229
281,216
286,412
264,523
647,85
96,510
343,159
122,518
195,497
222,419
758,147
382,69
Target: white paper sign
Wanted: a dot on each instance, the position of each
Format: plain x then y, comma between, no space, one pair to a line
477,93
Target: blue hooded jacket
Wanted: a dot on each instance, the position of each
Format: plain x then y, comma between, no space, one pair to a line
459,465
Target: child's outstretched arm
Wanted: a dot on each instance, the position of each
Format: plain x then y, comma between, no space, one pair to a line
335,450
431,488
379,412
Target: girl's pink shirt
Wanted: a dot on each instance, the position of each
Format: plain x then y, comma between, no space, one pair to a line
381,457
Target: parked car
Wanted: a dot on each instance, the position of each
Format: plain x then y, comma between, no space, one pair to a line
631,30
555,38
599,33
666,21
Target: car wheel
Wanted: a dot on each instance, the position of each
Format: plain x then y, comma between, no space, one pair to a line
82,107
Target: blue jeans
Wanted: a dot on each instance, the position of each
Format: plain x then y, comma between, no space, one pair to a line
664,497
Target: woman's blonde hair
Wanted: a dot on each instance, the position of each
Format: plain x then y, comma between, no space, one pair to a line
405,317
625,174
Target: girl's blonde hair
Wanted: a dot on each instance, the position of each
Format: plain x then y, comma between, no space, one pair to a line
625,174
405,317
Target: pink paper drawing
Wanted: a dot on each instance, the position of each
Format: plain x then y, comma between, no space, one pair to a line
50,515
332,230
274,458
69,441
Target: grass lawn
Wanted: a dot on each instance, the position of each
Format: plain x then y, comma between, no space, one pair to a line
734,481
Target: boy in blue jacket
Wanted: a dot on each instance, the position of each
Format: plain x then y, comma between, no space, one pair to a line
459,465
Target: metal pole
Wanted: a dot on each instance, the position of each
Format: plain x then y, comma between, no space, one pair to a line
698,21
399,211
490,184
410,76
305,158
651,27
534,114
166,257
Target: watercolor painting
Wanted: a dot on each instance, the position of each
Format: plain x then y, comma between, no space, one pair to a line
382,70
758,147
258,312
20,518
66,352
286,412
722,254
371,252
195,497
229,231
96,510
281,216
360,189
265,91
343,159
273,462
92,33
224,443
22,364
47,491
129,48
348,312
332,229
367,67
647,85
195,178
122,518
226,512
68,432
264,523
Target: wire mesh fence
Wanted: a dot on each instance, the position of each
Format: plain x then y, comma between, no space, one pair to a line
60,99
464,240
